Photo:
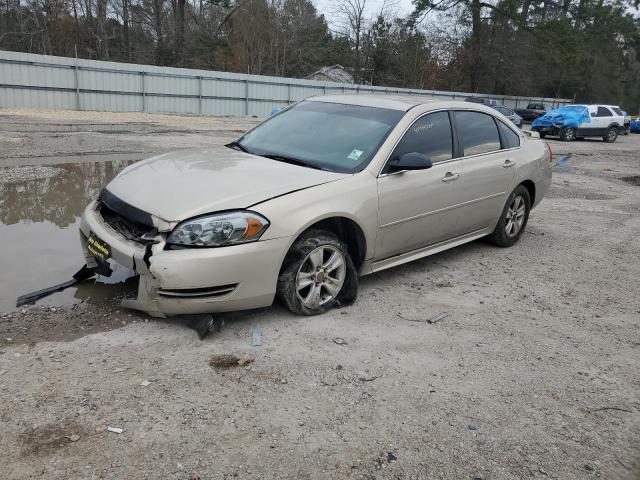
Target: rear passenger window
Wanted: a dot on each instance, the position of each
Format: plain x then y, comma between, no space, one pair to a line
429,135
603,112
510,139
478,131
618,111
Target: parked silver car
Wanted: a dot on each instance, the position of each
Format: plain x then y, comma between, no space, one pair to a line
330,189
511,115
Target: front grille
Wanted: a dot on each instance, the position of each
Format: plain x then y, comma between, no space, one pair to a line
217,291
130,222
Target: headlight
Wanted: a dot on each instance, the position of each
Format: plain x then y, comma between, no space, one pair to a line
218,230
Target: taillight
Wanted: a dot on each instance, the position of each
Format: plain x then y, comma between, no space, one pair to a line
550,153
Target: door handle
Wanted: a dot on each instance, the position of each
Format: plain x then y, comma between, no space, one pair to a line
450,177
508,163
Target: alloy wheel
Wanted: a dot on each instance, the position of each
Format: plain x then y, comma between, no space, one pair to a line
568,135
515,216
320,276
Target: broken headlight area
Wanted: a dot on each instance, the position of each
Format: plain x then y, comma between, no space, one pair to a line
131,222
218,230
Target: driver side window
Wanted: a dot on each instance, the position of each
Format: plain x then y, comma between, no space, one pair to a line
429,135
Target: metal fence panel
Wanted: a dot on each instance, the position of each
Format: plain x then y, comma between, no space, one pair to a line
42,81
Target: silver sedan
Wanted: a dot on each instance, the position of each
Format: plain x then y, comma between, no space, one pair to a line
328,190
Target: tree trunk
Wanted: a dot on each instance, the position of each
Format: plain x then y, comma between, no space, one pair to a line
102,49
476,31
125,25
157,27
178,15
525,11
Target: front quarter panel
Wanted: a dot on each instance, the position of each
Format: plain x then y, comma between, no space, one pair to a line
353,197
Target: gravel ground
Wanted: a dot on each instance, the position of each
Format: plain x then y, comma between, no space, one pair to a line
532,373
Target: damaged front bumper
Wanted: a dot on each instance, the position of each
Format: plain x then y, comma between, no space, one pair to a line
550,129
192,280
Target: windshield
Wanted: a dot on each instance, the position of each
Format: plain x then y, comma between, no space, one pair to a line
331,136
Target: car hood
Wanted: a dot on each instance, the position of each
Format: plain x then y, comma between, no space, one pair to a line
179,185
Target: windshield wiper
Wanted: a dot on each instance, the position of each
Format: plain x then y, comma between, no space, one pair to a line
293,161
238,146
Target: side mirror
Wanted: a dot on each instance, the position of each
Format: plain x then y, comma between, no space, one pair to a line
410,161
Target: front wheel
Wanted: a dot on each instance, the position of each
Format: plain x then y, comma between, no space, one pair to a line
567,134
611,136
317,274
513,219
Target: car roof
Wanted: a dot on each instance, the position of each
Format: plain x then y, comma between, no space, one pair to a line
591,105
397,102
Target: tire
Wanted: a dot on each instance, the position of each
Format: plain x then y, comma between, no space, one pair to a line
308,285
567,134
611,136
542,134
502,235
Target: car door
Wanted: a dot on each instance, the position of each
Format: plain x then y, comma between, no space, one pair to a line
605,118
417,208
594,126
489,167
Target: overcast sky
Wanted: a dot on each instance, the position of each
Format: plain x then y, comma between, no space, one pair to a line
403,7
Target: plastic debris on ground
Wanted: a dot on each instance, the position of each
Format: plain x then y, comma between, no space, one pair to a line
568,116
437,318
203,324
256,337
563,160
115,429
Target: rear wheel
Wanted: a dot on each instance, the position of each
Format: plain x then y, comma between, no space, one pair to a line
612,134
567,134
513,219
318,274
543,134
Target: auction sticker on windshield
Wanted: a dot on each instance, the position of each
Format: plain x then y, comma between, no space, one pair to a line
98,248
355,154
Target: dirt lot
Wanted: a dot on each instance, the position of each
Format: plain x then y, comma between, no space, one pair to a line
533,373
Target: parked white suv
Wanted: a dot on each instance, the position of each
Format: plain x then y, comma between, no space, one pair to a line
579,121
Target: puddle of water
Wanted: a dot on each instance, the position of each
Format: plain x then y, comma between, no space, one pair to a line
39,220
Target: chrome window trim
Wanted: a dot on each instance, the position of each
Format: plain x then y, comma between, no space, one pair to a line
464,157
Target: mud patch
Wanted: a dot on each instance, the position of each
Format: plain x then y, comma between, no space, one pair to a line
224,361
574,192
632,180
48,439
34,324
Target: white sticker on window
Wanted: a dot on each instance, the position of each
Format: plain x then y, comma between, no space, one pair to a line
355,154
